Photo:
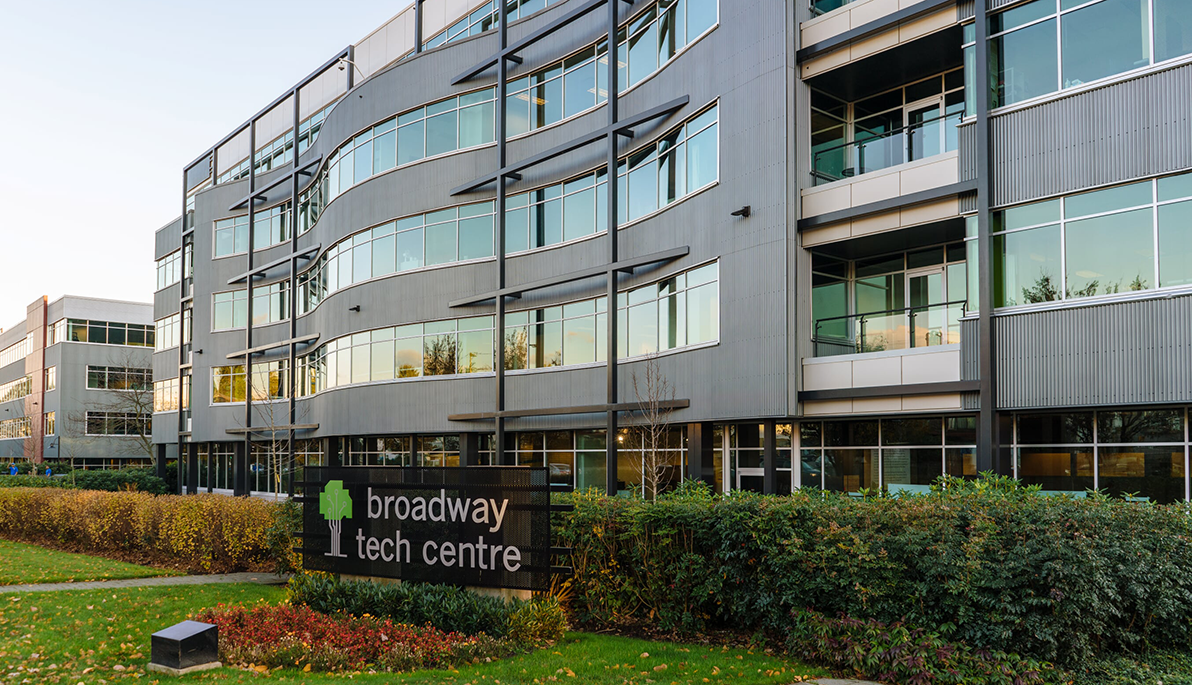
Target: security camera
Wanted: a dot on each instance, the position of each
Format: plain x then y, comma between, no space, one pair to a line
340,65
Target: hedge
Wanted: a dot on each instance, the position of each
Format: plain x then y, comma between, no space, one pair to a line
112,480
204,533
988,564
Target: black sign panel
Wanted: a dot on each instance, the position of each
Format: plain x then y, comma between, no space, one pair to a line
481,526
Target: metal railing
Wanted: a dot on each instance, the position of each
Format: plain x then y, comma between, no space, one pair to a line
891,329
875,151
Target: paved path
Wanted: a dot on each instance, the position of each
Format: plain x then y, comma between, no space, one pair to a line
258,578
837,681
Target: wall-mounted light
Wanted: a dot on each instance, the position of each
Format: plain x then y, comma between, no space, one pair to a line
355,308
743,212
198,351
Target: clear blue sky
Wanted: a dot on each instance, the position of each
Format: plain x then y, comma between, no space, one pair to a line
102,103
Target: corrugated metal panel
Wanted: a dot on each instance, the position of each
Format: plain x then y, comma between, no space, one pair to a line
998,4
970,400
967,151
1123,353
1123,131
968,203
966,9
970,350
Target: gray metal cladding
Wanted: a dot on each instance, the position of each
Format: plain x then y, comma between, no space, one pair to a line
968,203
998,4
1126,353
967,151
966,9
1127,130
970,350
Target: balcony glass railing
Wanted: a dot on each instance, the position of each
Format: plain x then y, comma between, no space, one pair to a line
873,151
819,7
892,329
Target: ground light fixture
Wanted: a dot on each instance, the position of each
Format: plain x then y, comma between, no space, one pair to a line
186,647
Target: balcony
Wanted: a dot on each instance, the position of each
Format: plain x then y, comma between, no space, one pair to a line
929,325
929,134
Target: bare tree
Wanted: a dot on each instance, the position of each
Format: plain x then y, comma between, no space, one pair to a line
72,435
271,418
654,393
128,391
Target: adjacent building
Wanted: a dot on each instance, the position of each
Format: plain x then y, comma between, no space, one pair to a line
76,384
855,245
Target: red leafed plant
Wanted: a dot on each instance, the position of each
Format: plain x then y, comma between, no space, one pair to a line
297,637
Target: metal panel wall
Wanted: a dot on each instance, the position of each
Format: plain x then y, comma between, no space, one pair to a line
967,148
1127,130
1113,354
966,9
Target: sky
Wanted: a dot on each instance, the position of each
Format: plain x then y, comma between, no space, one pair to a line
103,103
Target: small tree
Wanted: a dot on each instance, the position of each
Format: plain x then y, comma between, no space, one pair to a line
654,394
72,435
130,392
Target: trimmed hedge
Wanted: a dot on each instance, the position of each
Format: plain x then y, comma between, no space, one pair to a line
989,564
447,608
111,480
205,533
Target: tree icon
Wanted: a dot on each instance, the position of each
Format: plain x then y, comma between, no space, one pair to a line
335,505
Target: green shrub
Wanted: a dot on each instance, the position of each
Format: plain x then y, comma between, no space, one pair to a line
896,654
28,481
113,480
1168,668
204,533
450,609
538,622
989,564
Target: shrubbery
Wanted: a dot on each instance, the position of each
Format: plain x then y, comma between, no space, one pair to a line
988,564
297,636
112,480
450,609
895,653
205,533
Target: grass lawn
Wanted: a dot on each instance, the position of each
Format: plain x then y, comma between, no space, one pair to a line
92,635
22,563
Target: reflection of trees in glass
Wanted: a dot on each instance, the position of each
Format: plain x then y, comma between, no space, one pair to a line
1044,290
516,347
438,355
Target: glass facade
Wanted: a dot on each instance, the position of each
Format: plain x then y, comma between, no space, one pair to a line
1048,45
117,423
118,378
104,332
270,227
15,390
169,269
1128,238
165,395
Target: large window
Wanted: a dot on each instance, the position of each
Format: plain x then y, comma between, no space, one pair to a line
169,269
684,161
680,311
270,227
51,378
110,333
118,378
1127,238
15,352
117,423
484,18
229,310
1049,45
168,331
21,427
269,303
895,455
15,390
1137,454
165,395
269,382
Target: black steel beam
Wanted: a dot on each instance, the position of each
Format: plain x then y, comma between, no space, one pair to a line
243,202
512,50
625,265
259,270
890,390
987,429
595,136
881,206
874,27
271,346
273,429
565,411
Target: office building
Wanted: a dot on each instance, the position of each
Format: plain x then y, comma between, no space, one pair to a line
857,245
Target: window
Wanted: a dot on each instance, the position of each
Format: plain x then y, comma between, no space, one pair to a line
270,227
484,18
118,378
15,390
110,333
275,153
169,269
683,162
308,129
228,383
1122,239
165,395
57,332
49,423
229,310
1029,57
1136,454
117,423
270,303
168,332
15,352
21,427
51,378
896,455
679,311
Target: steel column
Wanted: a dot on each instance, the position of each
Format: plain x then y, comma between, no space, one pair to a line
611,352
769,457
417,26
252,208
987,428
502,191
293,298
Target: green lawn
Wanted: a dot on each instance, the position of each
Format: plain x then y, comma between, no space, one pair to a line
85,636
22,563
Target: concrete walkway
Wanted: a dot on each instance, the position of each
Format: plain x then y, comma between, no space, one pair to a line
838,681
258,578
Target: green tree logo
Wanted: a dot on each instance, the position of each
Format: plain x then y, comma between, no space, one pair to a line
335,505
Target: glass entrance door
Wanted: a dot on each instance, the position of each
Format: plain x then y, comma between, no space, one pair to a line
926,293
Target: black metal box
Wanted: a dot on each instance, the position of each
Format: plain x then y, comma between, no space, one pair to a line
185,645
